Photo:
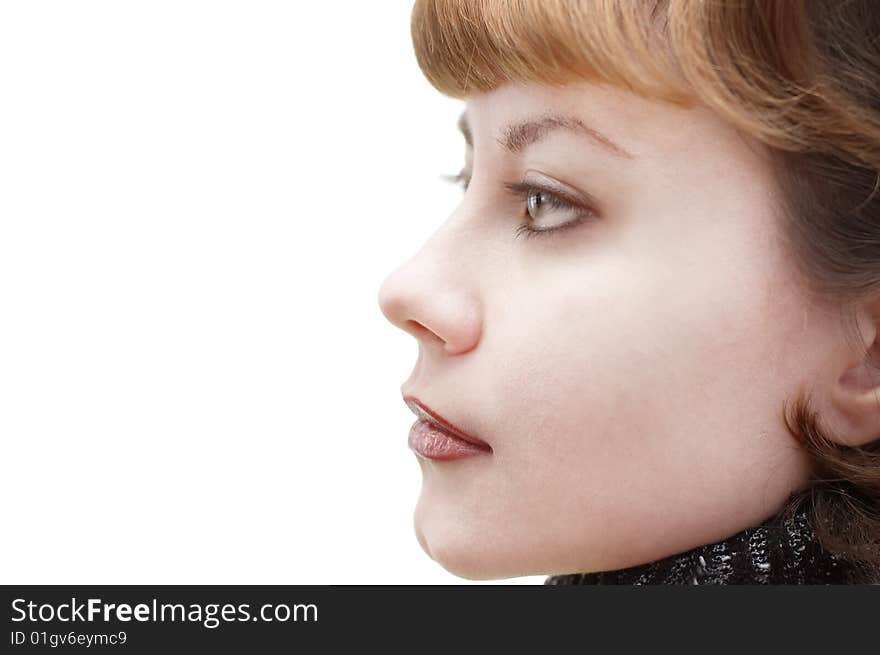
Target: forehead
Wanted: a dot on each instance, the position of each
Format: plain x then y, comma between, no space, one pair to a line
646,128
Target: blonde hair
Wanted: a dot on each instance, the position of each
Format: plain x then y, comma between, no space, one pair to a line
801,76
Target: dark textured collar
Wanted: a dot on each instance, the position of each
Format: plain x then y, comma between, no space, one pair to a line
778,552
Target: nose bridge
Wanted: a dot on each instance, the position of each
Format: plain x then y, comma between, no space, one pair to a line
433,295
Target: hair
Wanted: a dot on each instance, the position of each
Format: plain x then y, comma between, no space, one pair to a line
801,76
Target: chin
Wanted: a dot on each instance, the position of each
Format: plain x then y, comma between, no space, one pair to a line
463,549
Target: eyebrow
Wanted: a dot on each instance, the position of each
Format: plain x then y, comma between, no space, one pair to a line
516,137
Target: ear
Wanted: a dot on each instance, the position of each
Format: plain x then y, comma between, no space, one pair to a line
855,396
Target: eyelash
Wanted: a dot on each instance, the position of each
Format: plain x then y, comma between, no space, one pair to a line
521,191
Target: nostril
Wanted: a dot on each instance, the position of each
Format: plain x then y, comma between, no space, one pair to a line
416,328
419,330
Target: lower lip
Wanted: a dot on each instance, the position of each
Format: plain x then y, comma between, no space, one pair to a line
432,442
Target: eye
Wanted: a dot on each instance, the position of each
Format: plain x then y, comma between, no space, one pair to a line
542,204
461,178
538,200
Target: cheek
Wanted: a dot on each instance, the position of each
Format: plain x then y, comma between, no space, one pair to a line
616,383
581,364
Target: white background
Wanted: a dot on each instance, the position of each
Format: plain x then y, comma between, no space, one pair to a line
198,204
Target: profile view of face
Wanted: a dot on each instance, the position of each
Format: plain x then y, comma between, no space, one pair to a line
627,362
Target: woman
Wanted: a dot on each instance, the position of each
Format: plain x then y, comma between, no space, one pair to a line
648,334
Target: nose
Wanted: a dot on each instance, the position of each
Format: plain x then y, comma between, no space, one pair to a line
427,298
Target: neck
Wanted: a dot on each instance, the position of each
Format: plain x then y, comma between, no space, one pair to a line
779,551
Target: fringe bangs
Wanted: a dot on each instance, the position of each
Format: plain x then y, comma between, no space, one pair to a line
472,46
755,62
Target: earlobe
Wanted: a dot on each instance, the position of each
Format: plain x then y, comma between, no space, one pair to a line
855,396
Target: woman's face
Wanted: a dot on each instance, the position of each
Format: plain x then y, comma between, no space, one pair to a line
628,371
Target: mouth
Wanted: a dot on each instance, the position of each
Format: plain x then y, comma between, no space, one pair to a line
435,437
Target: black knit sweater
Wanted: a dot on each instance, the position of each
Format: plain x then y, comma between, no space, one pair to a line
778,552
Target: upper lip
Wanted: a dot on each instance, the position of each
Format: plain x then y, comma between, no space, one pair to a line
422,411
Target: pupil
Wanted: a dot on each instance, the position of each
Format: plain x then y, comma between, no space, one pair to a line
535,200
